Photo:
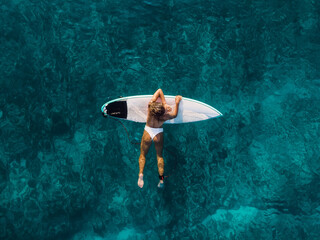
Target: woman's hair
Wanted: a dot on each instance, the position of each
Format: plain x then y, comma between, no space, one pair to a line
157,109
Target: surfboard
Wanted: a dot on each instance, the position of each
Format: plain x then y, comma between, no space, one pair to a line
135,108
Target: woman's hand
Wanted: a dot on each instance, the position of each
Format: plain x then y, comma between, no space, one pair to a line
178,99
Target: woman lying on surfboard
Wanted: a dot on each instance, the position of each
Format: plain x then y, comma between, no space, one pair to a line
158,113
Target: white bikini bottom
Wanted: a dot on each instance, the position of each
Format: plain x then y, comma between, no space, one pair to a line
153,131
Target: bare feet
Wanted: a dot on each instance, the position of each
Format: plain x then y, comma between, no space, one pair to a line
140,180
161,184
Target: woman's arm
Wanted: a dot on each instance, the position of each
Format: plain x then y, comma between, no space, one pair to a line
158,94
174,114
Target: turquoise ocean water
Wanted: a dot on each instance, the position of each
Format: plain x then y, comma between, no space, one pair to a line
68,173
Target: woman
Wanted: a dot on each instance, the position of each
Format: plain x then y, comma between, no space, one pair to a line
158,113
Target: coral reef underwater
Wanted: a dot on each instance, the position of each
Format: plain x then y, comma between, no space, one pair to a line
68,173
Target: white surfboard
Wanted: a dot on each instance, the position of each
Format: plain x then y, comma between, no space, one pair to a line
135,108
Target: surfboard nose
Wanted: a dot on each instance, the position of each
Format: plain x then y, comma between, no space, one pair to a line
116,109
105,111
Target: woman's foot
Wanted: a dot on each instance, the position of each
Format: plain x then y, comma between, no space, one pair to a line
161,184
140,180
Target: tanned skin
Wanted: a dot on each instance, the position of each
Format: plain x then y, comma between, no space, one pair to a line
155,122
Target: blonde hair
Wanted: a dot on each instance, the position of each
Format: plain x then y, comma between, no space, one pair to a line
157,109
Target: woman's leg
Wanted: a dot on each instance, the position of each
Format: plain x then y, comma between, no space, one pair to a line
144,148
158,143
